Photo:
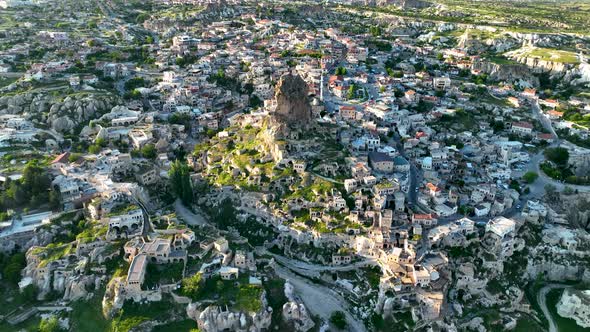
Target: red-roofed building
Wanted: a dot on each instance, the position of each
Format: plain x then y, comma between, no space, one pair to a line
545,137
348,112
553,114
529,93
522,128
549,102
432,189
60,161
426,220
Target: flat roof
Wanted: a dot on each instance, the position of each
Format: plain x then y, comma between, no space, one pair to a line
137,268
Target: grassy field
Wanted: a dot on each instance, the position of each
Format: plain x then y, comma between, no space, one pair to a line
518,16
553,55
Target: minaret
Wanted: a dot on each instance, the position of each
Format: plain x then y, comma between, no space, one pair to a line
322,86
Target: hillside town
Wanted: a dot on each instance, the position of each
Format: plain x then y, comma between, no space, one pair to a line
215,166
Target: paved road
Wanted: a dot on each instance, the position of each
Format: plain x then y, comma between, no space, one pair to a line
542,300
301,266
320,300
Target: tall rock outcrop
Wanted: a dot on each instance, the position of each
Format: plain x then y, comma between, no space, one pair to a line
295,311
293,108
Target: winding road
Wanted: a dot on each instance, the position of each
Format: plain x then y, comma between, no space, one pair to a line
320,300
542,300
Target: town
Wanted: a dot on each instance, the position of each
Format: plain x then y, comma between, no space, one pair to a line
205,165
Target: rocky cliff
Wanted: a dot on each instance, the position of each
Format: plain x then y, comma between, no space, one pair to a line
293,108
295,311
514,73
217,319
62,115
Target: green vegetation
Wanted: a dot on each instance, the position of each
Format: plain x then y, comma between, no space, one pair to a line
225,217
574,139
120,209
11,266
553,55
181,183
32,190
178,326
53,252
557,167
575,115
563,324
527,16
530,177
558,155
338,319
162,274
243,297
149,151
192,286
50,324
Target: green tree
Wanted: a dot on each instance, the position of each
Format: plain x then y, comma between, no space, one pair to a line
338,319
94,149
12,270
148,151
191,286
559,155
180,182
50,324
375,31
530,177
351,92
340,71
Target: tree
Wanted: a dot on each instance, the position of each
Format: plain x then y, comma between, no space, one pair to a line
50,324
180,182
148,151
94,149
530,177
375,31
74,157
340,71
30,293
338,319
191,286
12,270
559,155
351,92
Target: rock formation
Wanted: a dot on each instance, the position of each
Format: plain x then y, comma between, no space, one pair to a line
63,115
292,103
295,311
214,318
574,304
113,298
509,72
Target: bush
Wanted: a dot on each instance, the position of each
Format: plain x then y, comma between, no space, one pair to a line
148,151
338,319
191,286
559,156
50,324
530,177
